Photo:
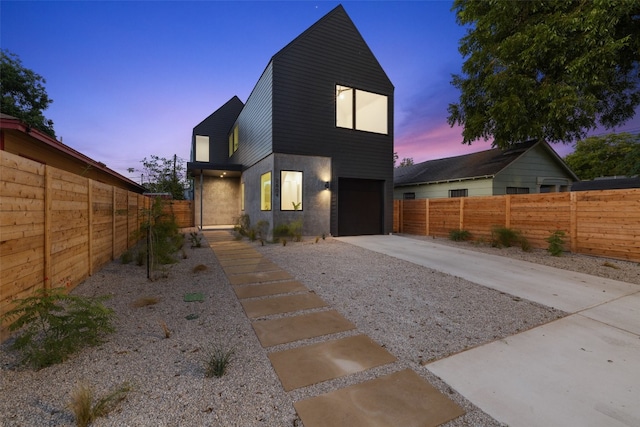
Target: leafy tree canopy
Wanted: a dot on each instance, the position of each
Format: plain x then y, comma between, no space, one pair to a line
547,70
608,155
407,161
162,175
23,93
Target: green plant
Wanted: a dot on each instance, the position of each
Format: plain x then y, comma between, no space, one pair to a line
295,229
280,231
86,408
126,257
196,240
459,235
141,256
296,206
162,239
243,225
217,361
556,243
53,325
507,237
262,229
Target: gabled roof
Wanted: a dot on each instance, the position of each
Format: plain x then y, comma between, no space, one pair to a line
483,164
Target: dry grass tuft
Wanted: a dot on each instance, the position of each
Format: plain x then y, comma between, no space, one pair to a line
145,301
165,328
610,265
86,408
200,267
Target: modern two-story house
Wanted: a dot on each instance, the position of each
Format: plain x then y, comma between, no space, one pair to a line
314,140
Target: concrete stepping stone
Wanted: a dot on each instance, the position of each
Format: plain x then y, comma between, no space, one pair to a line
283,304
311,364
266,276
288,329
399,399
260,266
263,290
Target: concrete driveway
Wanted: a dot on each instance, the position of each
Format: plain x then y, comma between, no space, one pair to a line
581,370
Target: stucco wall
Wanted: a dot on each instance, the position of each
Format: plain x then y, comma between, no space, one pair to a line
221,201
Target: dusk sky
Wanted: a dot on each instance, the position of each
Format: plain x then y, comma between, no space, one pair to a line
132,78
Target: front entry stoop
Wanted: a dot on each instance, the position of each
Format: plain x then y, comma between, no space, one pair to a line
278,307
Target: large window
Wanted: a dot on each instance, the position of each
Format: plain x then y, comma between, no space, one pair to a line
202,148
265,192
290,191
361,110
242,196
233,141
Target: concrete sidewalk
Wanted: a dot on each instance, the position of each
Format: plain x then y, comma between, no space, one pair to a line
582,370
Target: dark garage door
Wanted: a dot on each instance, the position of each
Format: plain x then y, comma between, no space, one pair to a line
360,206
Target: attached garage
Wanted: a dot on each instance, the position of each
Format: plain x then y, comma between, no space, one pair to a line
360,206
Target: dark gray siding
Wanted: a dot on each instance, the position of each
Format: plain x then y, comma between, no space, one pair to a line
305,73
254,124
217,127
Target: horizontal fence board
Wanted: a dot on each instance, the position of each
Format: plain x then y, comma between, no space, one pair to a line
604,223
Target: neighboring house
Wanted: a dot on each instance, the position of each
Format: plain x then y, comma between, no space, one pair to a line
529,167
22,140
314,140
607,183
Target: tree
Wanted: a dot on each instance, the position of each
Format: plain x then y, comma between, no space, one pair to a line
407,161
547,70
23,93
164,175
608,155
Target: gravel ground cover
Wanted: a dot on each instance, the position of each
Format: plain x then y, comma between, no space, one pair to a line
416,313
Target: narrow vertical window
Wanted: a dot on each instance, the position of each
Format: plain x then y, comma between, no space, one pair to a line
202,148
344,107
290,191
265,192
235,139
230,144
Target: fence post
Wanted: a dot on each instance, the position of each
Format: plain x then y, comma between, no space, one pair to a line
573,224
47,227
90,225
461,225
426,214
113,223
507,211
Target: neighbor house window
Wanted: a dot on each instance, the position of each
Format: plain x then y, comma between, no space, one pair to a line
459,193
517,190
361,110
202,148
409,196
233,141
290,191
242,196
265,192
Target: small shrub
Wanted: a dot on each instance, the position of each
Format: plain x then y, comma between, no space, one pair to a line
280,231
243,225
141,257
295,229
145,301
507,237
262,229
556,243
196,240
54,325
126,257
459,235
217,360
86,408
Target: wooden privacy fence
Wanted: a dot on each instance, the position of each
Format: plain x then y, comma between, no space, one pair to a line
182,210
57,228
603,223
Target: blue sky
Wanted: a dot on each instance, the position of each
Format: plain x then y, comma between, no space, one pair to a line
132,78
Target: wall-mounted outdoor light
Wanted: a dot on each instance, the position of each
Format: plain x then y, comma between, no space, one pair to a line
327,185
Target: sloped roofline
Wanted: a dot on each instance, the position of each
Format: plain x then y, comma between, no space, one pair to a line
13,123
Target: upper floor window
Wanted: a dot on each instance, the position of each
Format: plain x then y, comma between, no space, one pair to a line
290,191
202,148
459,193
361,110
233,141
